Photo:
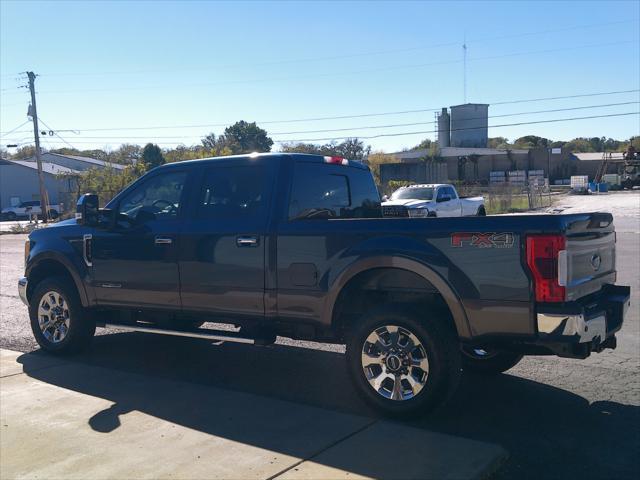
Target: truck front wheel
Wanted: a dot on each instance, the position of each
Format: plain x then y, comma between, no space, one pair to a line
59,322
488,361
403,364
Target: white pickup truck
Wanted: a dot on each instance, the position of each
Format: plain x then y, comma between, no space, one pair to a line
27,210
432,200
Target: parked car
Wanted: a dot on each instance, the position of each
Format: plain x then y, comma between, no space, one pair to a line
29,209
294,245
432,200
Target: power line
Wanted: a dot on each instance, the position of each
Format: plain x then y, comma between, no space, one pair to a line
367,127
345,56
324,75
343,117
458,129
19,126
56,133
570,119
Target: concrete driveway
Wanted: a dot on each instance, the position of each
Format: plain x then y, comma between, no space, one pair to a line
73,419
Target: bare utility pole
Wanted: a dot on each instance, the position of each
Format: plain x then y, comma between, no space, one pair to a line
44,198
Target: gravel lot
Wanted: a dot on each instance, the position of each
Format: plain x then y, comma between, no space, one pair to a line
556,417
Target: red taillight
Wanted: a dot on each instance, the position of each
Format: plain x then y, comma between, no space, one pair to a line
542,257
336,160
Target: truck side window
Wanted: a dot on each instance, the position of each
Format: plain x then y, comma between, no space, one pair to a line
319,192
230,192
156,199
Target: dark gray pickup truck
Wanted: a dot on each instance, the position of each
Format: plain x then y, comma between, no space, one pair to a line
295,245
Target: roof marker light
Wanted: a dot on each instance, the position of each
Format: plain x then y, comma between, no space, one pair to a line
336,160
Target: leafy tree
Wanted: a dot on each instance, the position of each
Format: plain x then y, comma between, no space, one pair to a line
351,148
375,159
424,144
126,154
152,155
498,142
22,153
104,182
209,142
244,137
579,145
531,141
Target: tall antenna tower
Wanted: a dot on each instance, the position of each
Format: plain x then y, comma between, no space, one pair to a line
464,67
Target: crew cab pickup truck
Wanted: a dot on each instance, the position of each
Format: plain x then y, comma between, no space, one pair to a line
28,209
433,200
295,245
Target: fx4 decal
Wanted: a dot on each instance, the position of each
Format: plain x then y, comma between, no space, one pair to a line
483,239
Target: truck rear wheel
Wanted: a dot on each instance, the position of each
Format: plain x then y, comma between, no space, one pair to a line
488,361
401,363
59,322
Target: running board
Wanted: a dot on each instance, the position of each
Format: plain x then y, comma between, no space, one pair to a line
215,335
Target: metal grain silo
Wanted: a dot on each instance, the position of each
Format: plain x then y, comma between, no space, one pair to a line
469,125
444,129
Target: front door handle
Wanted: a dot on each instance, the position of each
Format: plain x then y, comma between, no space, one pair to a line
247,241
164,241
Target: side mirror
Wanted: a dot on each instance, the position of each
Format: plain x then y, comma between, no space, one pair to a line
87,209
385,198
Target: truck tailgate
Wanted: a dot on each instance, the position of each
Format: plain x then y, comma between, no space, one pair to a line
588,261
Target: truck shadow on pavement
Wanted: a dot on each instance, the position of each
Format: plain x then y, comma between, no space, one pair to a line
546,430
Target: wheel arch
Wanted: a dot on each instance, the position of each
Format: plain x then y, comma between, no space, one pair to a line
48,265
400,264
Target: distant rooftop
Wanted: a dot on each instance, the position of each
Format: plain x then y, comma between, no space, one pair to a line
89,160
595,156
47,167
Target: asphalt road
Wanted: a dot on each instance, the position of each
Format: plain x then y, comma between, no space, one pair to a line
556,417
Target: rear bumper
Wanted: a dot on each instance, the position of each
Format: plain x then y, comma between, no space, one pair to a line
578,328
22,290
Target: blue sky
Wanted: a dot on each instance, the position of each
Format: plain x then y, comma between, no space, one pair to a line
132,65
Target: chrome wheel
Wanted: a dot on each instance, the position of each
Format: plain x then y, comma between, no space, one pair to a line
53,317
395,362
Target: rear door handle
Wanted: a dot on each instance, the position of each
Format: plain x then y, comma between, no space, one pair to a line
247,241
164,241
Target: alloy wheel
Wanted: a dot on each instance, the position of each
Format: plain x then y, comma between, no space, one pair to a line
395,363
53,317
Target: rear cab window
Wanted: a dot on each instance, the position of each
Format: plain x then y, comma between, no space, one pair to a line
321,191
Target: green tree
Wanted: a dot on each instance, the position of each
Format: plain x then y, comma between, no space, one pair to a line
25,152
531,141
351,148
424,144
244,137
126,154
498,142
374,160
152,155
104,182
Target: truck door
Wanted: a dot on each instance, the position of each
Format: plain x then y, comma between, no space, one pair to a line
222,254
134,263
446,205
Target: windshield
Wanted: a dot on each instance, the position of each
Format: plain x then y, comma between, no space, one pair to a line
413,194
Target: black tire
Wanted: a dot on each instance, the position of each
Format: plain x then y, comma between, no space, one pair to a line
11,216
442,352
79,326
488,362
481,212
53,214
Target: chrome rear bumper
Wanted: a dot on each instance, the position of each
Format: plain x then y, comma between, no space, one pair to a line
22,290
